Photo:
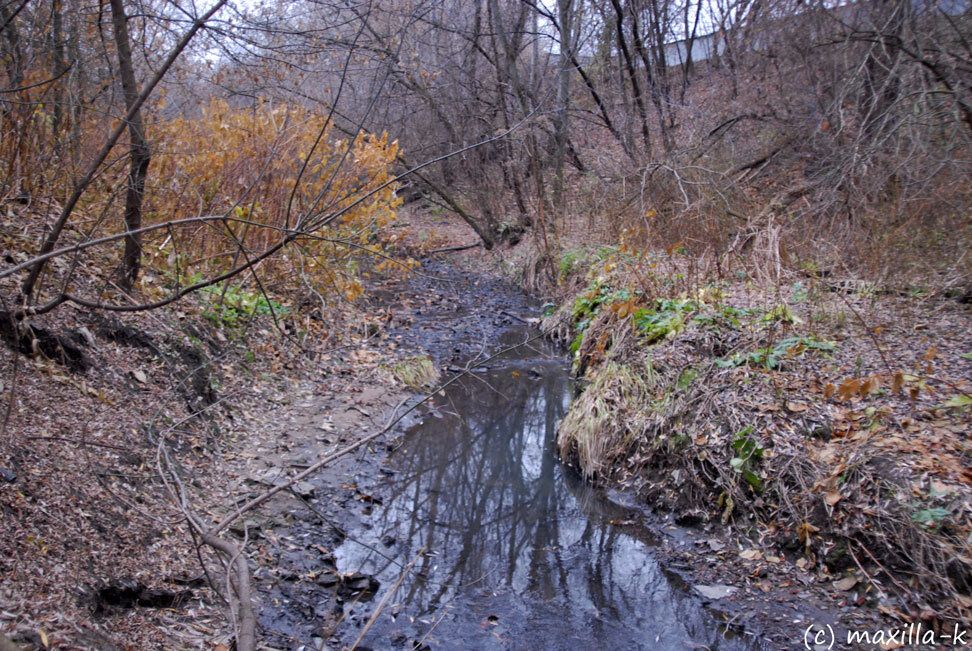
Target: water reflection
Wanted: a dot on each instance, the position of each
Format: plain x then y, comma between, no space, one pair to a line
521,552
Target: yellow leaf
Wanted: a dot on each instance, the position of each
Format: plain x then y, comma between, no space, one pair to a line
832,497
897,382
805,531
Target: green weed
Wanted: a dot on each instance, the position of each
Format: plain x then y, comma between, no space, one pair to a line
773,357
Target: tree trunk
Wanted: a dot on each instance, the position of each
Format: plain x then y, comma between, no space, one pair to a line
564,15
140,152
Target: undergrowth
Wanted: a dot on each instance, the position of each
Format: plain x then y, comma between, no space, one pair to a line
730,396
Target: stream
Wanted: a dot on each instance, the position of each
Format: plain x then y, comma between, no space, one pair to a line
512,549
464,530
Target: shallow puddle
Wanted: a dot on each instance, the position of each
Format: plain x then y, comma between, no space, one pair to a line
519,552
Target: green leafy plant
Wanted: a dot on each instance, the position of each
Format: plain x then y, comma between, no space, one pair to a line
959,401
231,306
773,357
782,313
799,293
576,343
724,316
930,517
664,320
748,452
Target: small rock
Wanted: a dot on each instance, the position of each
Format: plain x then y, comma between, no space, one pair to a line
304,489
88,337
250,528
364,582
715,591
328,579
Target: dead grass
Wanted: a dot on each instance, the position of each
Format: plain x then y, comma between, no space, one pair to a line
418,373
605,420
822,456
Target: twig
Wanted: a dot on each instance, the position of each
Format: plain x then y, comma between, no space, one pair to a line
384,600
513,316
850,548
903,589
76,441
257,501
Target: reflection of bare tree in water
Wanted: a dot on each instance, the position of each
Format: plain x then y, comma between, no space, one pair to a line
466,486
482,489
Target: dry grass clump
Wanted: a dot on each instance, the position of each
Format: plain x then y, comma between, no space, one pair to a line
418,373
604,422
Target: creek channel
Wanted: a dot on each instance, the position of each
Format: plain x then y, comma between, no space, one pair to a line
505,546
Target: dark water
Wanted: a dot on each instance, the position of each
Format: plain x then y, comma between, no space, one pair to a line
520,553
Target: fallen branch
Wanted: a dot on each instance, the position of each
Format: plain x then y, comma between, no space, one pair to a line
246,634
257,501
453,249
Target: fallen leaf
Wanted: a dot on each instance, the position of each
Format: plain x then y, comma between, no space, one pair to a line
846,584
751,554
848,388
140,376
832,497
870,386
941,488
829,390
897,382
797,407
805,531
